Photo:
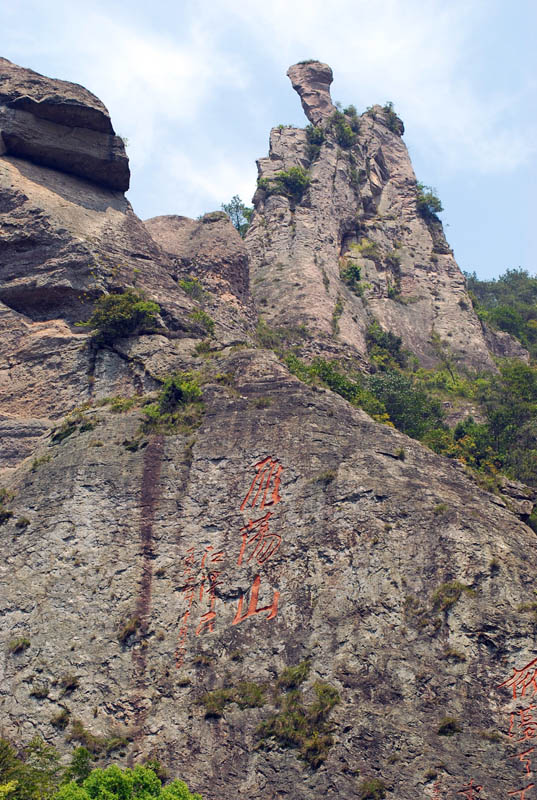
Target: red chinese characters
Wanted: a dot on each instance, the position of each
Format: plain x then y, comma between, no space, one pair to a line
267,483
470,791
523,721
522,792
200,583
523,679
259,544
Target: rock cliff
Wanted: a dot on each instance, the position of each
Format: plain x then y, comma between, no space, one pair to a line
359,210
278,597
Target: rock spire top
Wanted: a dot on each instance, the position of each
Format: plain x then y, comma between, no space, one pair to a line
312,79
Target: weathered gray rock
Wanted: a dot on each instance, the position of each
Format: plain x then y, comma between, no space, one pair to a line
59,125
312,79
370,541
146,570
502,344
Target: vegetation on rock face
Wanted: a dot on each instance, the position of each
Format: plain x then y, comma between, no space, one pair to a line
427,201
118,315
37,774
292,183
315,138
373,789
193,287
300,725
508,303
346,127
178,406
205,320
239,214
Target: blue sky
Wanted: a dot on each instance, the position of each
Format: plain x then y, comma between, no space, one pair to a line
196,89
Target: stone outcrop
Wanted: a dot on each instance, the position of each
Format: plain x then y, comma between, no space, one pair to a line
312,81
145,569
360,210
211,251
59,125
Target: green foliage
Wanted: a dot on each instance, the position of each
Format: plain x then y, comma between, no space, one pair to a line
411,409
36,774
246,695
508,304
118,315
193,288
301,726
345,127
292,677
366,249
202,318
292,183
392,120
97,745
114,783
350,274
36,770
448,593
373,789
336,314
80,766
427,201
178,407
239,214
18,645
352,387
385,348
315,139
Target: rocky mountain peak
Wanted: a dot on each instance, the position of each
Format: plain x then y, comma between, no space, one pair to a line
312,79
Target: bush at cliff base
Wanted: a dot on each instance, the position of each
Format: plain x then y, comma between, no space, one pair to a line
114,783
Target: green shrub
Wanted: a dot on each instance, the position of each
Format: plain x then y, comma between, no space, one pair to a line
119,315
193,288
246,695
427,201
350,274
18,645
345,127
203,319
315,139
297,725
97,745
393,122
178,406
61,719
448,593
113,783
373,789
291,184
239,214
385,348
366,249
292,677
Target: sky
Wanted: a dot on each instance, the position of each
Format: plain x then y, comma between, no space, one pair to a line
196,88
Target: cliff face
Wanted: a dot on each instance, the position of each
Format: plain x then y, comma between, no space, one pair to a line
360,210
158,584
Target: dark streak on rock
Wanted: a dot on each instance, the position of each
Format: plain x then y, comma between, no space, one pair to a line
150,495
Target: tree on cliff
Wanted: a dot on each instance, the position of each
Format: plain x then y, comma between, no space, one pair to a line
239,214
